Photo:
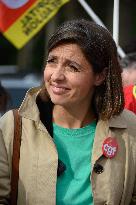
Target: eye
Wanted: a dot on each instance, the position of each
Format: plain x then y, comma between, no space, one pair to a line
51,60
74,68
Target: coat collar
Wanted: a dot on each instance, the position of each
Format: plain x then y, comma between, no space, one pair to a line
37,107
118,122
28,108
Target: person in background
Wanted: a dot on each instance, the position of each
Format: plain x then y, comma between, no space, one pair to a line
78,144
128,63
130,97
4,98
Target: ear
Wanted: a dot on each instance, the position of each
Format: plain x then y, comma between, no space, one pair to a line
100,77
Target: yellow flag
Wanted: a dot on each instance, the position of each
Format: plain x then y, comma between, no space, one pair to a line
19,22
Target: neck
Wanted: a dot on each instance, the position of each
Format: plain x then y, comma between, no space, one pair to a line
72,118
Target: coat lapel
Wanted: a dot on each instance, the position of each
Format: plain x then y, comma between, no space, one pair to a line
103,131
107,186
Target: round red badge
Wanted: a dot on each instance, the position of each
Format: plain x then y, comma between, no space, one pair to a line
110,147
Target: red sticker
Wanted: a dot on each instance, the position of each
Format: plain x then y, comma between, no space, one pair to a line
110,147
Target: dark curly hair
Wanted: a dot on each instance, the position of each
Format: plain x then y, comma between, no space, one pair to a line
100,50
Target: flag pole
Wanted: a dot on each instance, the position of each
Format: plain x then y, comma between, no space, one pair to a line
116,21
97,20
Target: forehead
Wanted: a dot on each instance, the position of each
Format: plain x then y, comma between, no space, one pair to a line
67,49
71,52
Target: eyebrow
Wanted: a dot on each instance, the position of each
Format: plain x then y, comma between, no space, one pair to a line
74,62
67,60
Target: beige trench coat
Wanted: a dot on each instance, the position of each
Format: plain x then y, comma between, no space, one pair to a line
38,162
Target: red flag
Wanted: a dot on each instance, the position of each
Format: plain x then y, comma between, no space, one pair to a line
20,20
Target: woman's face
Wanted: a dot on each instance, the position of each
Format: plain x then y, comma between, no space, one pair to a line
68,76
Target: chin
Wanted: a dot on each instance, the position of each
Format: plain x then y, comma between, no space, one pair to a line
57,101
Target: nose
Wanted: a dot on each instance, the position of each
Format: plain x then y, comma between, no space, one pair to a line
58,74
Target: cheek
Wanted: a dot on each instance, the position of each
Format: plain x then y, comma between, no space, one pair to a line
83,84
47,75
88,86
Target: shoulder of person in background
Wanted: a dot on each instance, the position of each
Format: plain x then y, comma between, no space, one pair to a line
128,64
130,97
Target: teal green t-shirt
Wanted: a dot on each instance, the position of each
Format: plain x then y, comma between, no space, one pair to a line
75,150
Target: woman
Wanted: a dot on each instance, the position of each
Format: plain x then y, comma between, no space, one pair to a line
78,145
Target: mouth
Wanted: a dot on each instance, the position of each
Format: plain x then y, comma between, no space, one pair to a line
59,90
